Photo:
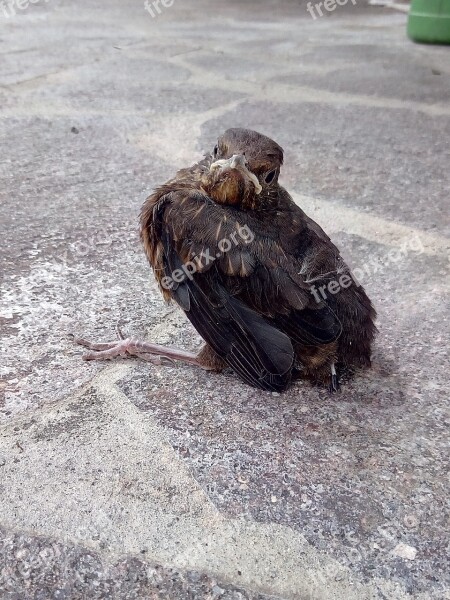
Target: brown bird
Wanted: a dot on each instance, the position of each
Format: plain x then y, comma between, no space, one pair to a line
259,280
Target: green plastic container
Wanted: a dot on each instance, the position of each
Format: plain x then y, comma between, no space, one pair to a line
429,21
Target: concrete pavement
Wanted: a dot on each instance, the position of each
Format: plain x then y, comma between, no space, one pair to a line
125,480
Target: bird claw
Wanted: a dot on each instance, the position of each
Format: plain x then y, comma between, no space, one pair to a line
119,332
334,384
334,381
169,362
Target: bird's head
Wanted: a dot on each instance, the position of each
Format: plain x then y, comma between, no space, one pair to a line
249,161
230,182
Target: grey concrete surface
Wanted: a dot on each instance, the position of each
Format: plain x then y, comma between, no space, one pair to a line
125,480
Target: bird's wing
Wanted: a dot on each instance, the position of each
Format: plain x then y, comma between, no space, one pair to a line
240,289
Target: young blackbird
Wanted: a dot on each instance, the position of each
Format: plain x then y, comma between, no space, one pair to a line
259,280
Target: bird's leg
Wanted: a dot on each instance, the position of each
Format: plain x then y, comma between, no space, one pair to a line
126,347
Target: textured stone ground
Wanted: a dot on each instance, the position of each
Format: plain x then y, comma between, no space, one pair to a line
124,480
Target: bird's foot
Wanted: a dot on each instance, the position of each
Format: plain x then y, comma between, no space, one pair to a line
124,347
129,347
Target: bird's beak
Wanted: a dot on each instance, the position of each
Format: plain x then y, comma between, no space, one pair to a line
237,161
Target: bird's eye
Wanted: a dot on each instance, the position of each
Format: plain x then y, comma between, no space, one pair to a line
216,150
270,176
